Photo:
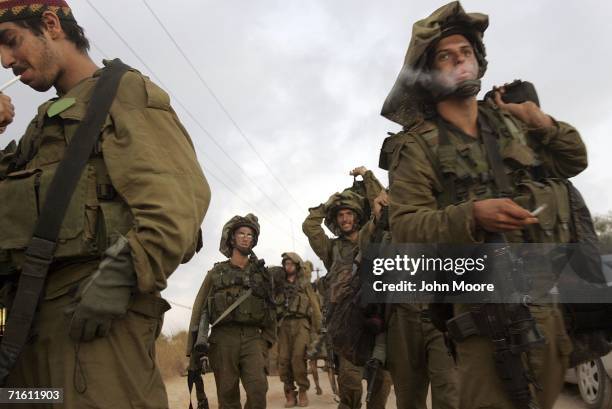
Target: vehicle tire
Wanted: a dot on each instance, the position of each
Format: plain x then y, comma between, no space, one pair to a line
594,384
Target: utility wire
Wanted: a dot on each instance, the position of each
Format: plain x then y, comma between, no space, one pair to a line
208,171
223,108
250,205
182,105
210,174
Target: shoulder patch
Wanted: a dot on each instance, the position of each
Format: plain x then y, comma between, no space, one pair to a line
60,106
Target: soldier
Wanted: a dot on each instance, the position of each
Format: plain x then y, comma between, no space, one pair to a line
299,316
447,187
343,214
133,216
416,353
236,299
312,361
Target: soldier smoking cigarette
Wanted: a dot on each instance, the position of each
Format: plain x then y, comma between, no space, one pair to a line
539,210
9,83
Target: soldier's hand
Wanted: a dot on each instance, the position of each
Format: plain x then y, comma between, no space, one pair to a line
527,111
501,215
359,171
204,364
7,112
381,201
104,296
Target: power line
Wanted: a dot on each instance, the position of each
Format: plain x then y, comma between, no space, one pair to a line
178,101
247,203
208,171
182,106
212,93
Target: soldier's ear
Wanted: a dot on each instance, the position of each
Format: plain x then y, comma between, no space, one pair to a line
52,25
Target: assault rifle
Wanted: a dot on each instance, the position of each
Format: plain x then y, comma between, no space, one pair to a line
197,363
315,351
331,366
507,321
375,363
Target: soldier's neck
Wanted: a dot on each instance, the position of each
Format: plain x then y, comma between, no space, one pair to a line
353,237
463,113
238,259
77,67
291,278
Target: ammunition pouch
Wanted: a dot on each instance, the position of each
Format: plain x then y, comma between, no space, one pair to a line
231,284
299,306
91,223
555,219
252,311
466,325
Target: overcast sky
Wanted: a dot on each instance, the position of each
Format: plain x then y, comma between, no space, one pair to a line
303,82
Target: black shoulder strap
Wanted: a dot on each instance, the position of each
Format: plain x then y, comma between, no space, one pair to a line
494,157
40,251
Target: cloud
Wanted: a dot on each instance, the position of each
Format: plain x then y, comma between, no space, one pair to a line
306,81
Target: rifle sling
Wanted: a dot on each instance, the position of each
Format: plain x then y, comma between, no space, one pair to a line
40,251
232,307
502,182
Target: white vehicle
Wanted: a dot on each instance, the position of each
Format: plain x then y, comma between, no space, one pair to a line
594,378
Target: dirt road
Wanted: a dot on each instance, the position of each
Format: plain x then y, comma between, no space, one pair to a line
179,398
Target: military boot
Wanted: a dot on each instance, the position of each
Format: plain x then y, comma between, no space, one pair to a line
290,395
302,398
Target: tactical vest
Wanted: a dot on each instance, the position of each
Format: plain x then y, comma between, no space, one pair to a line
343,256
229,283
293,302
95,216
466,175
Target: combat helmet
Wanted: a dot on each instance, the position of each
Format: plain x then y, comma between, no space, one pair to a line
297,260
348,199
250,220
409,101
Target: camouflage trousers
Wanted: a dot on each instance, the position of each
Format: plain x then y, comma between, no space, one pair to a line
238,353
350,387
293,338
117,371
417,357
480,385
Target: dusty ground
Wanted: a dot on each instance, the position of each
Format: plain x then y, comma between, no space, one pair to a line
179,398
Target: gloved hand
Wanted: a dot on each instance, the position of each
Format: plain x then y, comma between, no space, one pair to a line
105,295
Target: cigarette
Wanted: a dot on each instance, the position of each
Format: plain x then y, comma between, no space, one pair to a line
9,83
539,210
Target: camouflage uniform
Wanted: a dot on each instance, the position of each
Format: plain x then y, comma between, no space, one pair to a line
338,255
143,183
299,316
239,342
423,211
